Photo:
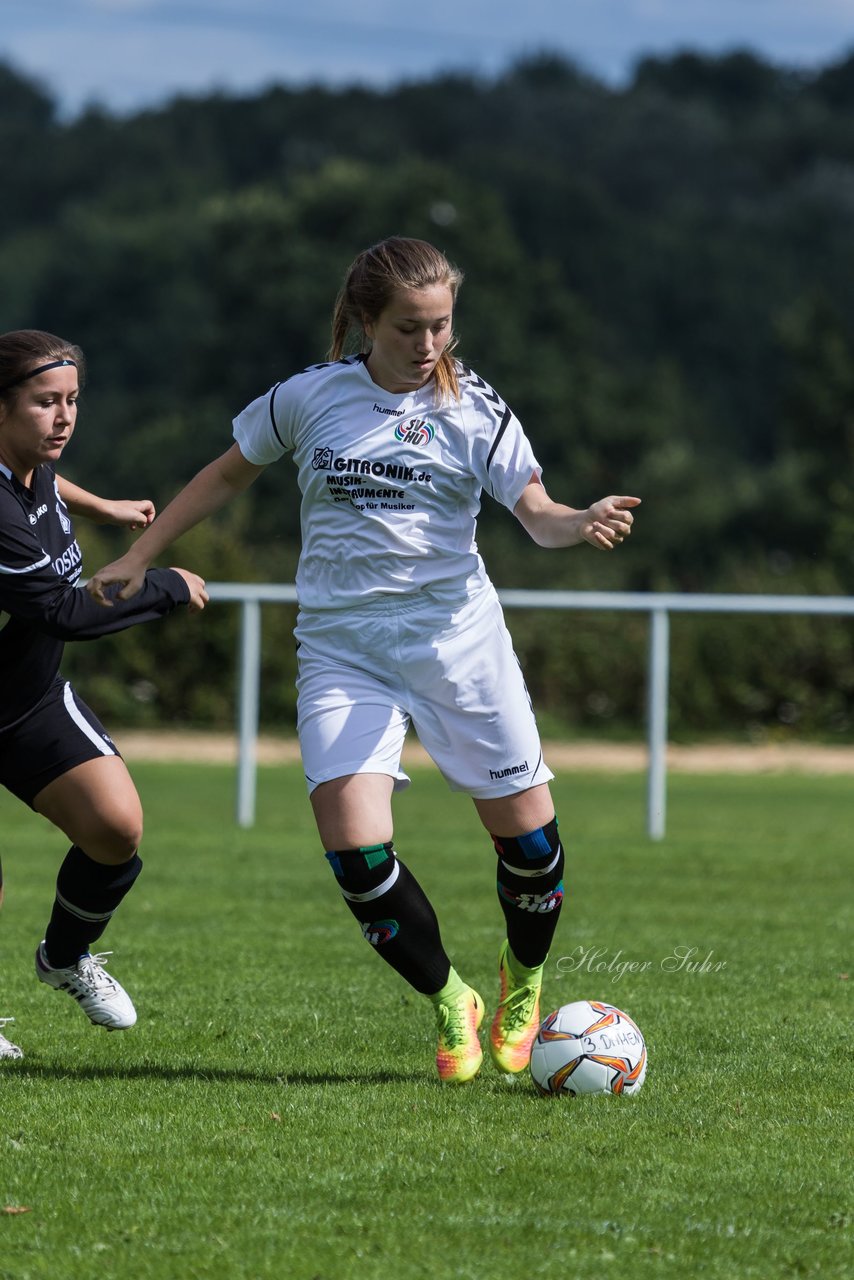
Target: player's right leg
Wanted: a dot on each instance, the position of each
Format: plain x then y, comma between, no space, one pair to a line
354,819
352,719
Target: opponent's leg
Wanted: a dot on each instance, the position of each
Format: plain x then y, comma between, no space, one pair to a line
7,1047
355,823
97,806
530,890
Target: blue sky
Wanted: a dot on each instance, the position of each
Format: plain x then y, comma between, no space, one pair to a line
129,54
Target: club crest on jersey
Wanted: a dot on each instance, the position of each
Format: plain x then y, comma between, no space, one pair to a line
417,431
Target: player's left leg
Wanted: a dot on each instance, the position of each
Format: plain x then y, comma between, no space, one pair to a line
530,889
96,805
473,714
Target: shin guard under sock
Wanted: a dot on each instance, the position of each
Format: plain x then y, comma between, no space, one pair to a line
394,912
87,894
530,890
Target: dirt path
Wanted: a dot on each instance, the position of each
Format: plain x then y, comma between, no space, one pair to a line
221,748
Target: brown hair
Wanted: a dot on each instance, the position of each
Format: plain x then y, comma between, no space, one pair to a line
371,281
23,350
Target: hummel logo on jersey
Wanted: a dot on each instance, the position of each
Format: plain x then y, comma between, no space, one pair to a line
392,413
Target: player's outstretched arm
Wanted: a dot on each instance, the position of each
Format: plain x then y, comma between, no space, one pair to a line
130,513
195,586
211,488
604,524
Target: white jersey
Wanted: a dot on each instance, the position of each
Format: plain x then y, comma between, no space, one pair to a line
390,484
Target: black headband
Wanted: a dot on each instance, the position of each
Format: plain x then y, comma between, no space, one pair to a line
42,368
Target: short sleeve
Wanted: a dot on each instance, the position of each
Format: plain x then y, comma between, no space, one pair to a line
262,429
501,454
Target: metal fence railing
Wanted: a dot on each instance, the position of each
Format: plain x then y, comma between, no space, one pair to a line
659,606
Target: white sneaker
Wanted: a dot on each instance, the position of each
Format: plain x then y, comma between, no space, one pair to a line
7,1049
103,1000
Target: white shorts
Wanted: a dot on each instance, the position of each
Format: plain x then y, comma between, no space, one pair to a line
365,674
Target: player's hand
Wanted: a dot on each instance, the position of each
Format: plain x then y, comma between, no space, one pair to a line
609,522
125,572
198,594
131,513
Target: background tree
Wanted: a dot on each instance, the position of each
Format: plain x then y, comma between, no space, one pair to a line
659,281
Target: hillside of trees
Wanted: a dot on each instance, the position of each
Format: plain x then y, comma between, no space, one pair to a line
659,280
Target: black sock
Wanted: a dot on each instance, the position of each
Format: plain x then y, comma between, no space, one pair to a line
87,894
394,912
530,890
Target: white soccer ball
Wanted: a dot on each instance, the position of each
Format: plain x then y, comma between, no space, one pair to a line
588,1047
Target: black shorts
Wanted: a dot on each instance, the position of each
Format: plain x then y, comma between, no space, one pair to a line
58,734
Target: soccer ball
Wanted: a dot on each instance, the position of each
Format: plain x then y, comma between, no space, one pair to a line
588,1047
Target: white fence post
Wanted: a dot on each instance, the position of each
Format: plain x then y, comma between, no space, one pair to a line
250,673
657,681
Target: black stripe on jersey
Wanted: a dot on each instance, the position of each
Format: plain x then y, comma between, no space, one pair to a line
538,765
499,433
492,397
329,364
312,368
273,415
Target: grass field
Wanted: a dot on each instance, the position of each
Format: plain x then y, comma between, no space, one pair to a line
274,1113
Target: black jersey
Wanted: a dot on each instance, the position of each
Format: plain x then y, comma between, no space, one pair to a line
40,565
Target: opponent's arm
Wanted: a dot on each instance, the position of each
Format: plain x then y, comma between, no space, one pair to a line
604,524
130,513
211,488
